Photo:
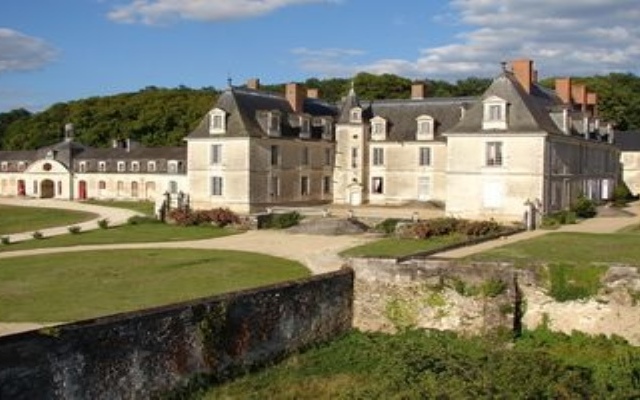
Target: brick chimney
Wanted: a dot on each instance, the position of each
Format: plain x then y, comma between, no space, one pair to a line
313,93
579,94
295,95
563,89
253,83
523,70
418,90
592,103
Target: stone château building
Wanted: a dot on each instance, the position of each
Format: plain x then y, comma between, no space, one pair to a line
516,148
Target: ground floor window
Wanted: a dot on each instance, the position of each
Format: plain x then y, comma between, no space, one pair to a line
304,185
216,186
134,189
377,185
326,185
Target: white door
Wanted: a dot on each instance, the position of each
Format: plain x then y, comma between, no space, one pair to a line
424,188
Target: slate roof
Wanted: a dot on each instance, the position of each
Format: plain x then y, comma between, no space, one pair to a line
248,111
137,153
527,112
627,140
18,155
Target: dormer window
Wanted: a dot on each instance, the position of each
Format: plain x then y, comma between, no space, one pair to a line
327,129
217,121
355,115
424,127
378,128
305,127
121,166
494,113
82,167
273,127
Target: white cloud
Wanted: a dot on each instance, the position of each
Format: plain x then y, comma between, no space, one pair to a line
564,38
21,52
153,12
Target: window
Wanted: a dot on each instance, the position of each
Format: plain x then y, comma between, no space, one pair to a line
120,188
424,156
377,185
275,186
4,166
273,126
378,128
326,185
82,167
216,154
173,187
102,185
327,129
135,166
102,166
122,166
275,155
172,167
494,153
355,115
304,185
151,166
305,156
305,127
134,189
22,166
495,113
425,129
217,121
328,156
216,186
354,157
378,156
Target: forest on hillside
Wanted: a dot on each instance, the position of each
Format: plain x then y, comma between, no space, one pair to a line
164,116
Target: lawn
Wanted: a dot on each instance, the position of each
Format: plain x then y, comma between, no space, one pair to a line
141,233
73,286
393,247
143,207
561,247
16,219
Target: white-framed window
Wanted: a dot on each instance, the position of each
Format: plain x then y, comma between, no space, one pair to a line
22,166
172,167
217,121
151,166
121,166
273,125
494,113
327,129
305,127
305,156
424,156
275,154
275,186
377,185
102,166
135,166
355,115
216,185
173,187
216,154
493,154
304,185
4,166
424,127
377,156
134,189
326,184
82,166
120,188
378,128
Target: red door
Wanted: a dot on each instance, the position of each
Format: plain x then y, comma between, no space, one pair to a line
21,188
82,190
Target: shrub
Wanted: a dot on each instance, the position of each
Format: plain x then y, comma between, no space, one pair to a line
621,195
37,235
388,226
584,207
218,216
140,219
571,282
493,287
221,217
103,223
74,230
280,221
5,240
447,226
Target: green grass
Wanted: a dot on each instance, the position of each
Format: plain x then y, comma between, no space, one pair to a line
17,219
142,233
392,247
561,247
72,286
144,207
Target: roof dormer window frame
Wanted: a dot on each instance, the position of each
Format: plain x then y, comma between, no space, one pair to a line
355,115
327,129
273,123
378,128
425,127
217,121
494,116
305,127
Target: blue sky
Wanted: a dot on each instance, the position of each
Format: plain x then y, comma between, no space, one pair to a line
61,50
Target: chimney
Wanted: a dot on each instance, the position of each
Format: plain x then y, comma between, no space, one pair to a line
592,103
579,95
563,89
253,83
418,90
523,70
313,93
295,96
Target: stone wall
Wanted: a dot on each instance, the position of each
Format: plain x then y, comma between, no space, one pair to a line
145,354
481,297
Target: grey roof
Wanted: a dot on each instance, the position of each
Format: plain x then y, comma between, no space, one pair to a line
18,155
248,110
401,115
528,112
137,153
350,102
627,140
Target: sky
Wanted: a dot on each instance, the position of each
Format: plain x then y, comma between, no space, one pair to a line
61,50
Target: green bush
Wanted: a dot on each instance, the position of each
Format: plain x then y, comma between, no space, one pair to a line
448,226
622,195
572,282
142,219
103,223
5,240
74,230
280,221
217,216
388,226
37,235
584,207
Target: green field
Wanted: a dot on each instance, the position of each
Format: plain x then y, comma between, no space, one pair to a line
72,286
17,219
142,207
392,247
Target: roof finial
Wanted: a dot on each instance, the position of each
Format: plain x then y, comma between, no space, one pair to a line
229,81
504,66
